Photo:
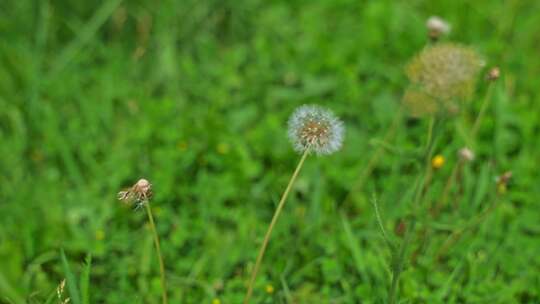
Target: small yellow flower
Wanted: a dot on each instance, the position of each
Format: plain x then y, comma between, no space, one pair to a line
216,301
269,289
437,162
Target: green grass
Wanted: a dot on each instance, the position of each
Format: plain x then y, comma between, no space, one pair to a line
194,95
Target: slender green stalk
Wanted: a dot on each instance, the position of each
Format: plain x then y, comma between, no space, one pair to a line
398,257
447,187
459,165
398,262
483,108
271,227
381,225
158,250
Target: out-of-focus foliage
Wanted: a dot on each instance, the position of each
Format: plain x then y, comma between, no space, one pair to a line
194,96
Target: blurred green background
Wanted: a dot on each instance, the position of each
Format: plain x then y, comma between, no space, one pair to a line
194,95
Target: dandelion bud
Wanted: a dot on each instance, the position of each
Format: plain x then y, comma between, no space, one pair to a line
466,154
493,74
315,128
437,27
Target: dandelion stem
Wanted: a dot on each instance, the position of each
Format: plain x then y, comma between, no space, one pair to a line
398,262
271,226
398,258
158,251
447,187
483,108
381,225
459,165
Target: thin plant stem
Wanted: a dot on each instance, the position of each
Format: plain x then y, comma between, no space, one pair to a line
381,225
398,258
264,244
448,187
483,108
457,167
428,155
158,251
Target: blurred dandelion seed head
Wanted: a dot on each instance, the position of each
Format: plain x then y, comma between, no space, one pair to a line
442,76
315,128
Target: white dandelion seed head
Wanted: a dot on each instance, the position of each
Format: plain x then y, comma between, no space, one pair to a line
316,128
438,25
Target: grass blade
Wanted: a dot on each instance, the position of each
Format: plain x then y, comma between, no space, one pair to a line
8,292
85,280
70,279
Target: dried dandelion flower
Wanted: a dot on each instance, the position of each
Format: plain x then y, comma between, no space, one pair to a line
138,193
437,162
466,154
315,128
442,76
493,74
436,27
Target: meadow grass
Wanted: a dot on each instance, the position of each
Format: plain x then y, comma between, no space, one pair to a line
195,96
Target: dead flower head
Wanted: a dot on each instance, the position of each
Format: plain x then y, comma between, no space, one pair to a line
139,193
442,76
493,74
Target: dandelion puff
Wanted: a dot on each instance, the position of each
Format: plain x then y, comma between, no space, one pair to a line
445,72
315,128
311,128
